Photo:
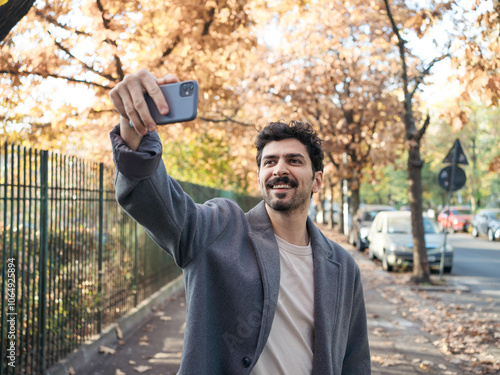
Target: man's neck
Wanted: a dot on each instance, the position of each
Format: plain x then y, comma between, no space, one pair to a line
291,227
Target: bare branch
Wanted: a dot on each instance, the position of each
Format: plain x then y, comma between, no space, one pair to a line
53,21
424,127
426,72
227,119
44,75
409,124
106,20
86,66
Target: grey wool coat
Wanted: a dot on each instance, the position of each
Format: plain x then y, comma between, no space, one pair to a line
231,266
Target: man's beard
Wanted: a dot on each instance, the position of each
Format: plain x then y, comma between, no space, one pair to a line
295,202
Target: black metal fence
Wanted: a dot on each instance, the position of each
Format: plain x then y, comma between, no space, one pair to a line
72,261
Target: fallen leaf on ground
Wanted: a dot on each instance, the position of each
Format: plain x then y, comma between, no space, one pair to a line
426,365
106,350
383,361
119,372
148,328
119,333
142,368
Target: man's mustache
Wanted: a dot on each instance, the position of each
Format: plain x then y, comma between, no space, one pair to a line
281,181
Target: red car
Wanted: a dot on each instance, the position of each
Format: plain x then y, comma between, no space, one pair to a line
456,218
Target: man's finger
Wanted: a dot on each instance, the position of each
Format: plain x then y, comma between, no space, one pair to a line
132,114
169,78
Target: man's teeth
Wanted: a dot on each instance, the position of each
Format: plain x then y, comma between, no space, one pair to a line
281,187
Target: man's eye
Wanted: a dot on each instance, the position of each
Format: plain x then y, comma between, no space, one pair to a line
267,162
295,161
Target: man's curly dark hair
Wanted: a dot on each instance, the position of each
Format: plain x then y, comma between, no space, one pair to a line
302,131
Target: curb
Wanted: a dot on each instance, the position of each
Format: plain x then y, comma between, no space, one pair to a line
76,361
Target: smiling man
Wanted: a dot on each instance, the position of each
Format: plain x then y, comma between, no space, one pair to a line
266,291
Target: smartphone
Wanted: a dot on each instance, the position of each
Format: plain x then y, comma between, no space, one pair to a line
182,100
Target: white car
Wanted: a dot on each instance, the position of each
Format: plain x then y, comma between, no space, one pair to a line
391,240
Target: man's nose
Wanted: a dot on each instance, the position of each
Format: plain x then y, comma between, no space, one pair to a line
280,169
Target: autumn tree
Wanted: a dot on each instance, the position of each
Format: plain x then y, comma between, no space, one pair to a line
476,58
332,67
420,21
93,44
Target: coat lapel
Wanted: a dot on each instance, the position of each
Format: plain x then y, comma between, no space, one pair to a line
267,252
326,299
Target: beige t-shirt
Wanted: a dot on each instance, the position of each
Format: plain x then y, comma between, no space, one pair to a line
289,349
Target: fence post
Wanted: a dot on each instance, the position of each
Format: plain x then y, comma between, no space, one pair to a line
44,246
101,238
4,263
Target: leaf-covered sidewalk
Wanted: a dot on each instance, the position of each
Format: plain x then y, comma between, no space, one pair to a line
426,330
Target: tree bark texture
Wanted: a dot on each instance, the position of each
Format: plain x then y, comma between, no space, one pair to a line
421,271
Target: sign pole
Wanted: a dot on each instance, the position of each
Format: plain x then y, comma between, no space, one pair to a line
450,192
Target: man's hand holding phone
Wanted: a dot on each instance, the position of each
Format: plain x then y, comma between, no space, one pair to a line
142,99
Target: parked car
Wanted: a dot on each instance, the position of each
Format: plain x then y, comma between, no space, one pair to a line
363,219
391,240
455,218
487,221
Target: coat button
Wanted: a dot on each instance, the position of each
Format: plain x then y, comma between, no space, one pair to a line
246,362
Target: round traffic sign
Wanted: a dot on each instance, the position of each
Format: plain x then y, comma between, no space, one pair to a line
444,178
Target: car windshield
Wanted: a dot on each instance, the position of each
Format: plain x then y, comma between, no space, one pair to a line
462,212
495,215
403,226
370,215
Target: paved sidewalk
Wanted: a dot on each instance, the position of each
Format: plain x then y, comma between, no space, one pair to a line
402,341
154,348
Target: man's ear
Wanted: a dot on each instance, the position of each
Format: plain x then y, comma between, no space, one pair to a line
318,180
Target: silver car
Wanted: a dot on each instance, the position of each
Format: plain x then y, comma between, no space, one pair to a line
487,221
362,223
391,240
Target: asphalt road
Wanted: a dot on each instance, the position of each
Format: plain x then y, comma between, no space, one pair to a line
476,263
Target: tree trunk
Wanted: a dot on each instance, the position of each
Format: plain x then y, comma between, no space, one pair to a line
355,200
11,13
421,271
332,211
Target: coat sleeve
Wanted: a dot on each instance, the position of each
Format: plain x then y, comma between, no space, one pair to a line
157,202
357,358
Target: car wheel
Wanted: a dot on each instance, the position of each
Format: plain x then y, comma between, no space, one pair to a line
385,265
491,236
359,245
475,233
